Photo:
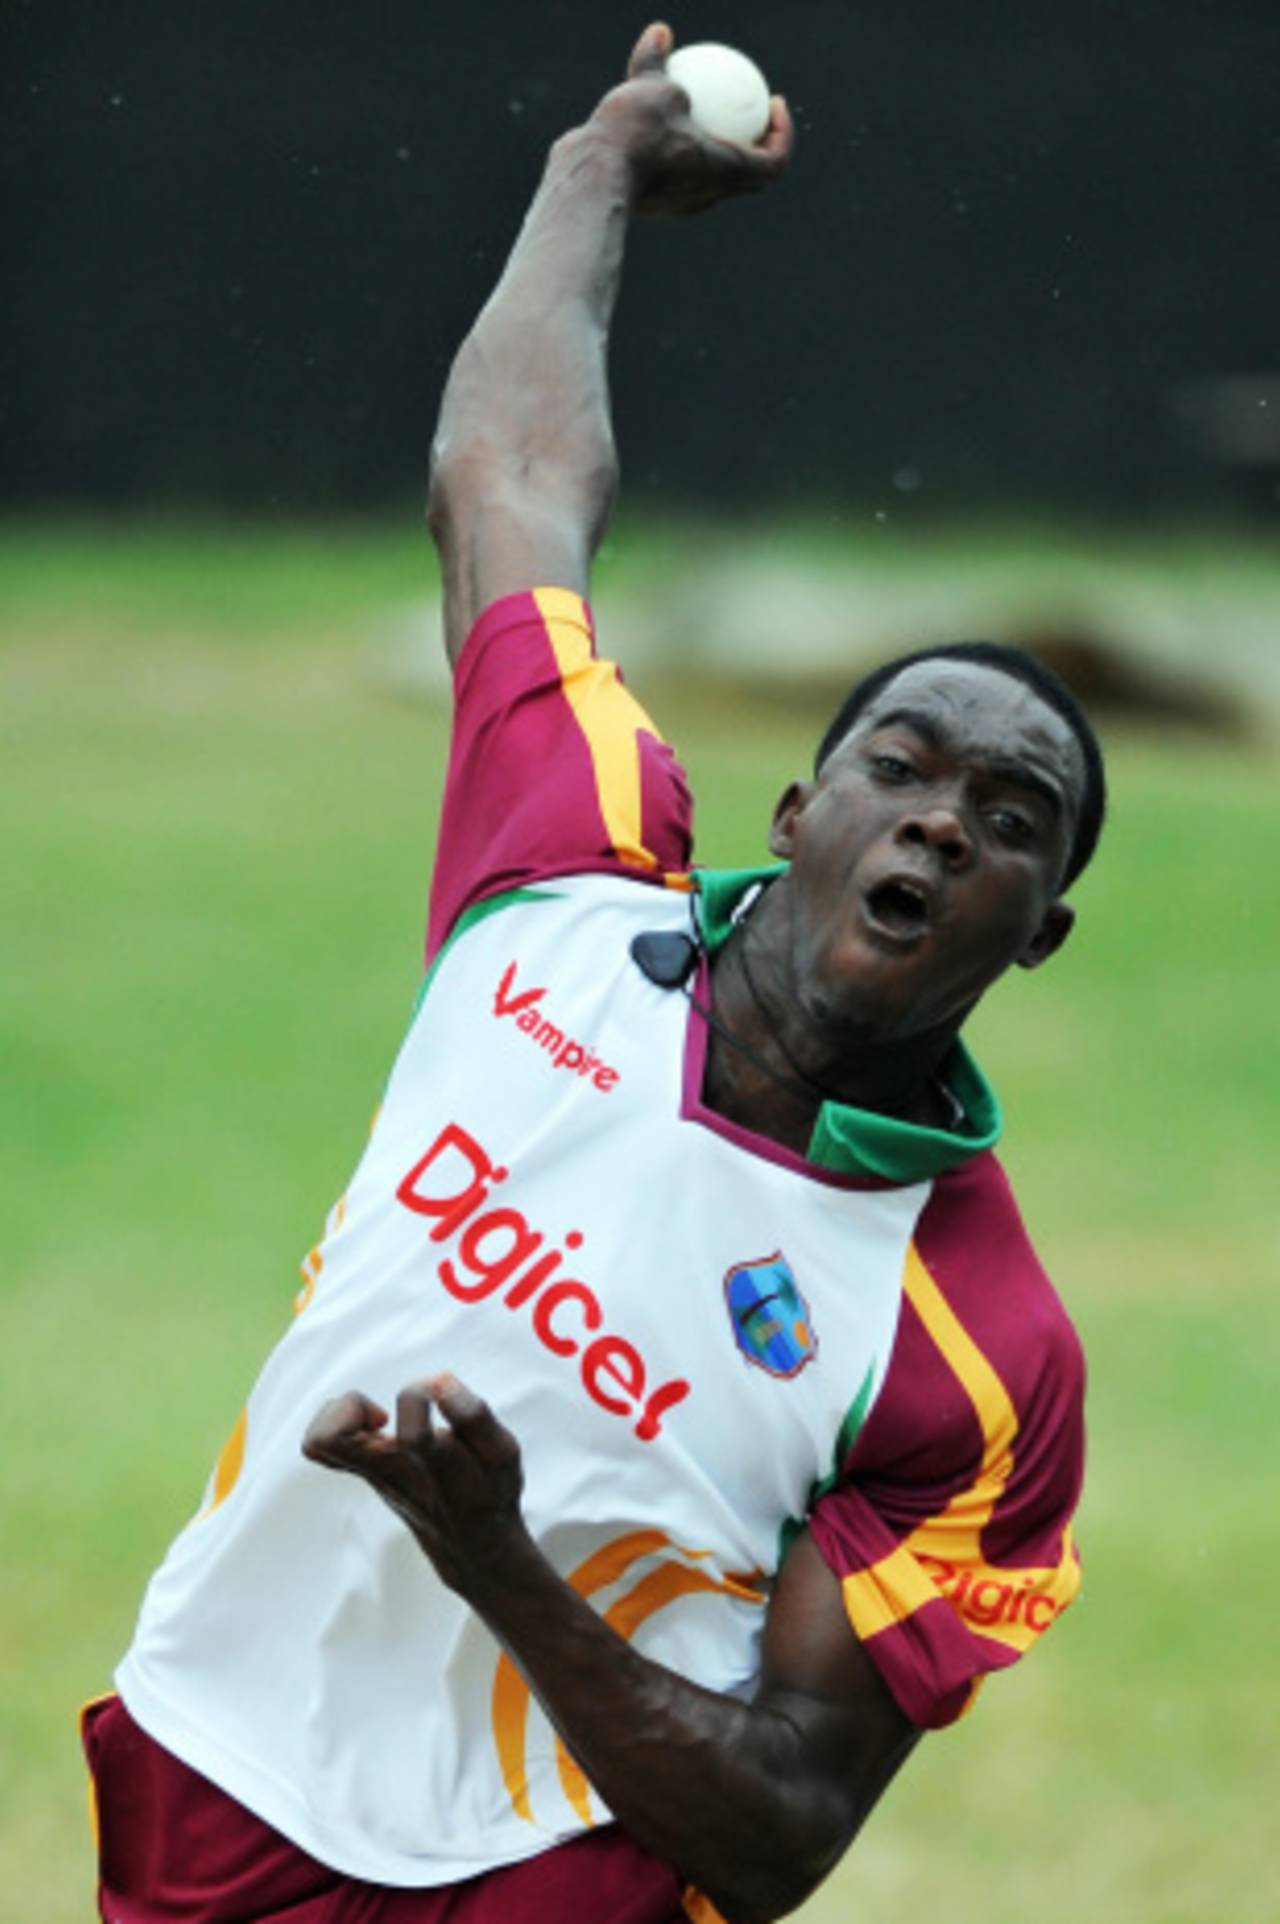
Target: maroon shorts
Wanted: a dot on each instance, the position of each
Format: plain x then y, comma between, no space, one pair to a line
174,1849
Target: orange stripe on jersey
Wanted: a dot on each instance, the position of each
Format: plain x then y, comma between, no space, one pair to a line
606,1564
699,1908
608,717
95,1827
653,1592
574,1784
309,1269
943,1556
227,1469
510,1703
661,1587
510,1713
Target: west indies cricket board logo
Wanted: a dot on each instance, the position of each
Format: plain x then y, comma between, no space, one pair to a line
769,1316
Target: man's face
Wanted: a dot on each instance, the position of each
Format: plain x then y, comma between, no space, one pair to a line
926,857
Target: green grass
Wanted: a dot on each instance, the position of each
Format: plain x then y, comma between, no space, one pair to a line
219,815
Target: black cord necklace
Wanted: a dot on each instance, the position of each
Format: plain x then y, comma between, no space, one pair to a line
807,1082
669,959
796,1084
798,1081
786,1082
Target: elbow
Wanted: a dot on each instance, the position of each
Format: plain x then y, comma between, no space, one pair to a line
802,1850
477,479
456,474
467,476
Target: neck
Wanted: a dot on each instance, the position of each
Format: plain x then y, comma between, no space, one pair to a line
787,1064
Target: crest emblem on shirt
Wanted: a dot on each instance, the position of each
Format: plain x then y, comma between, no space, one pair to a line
769,1316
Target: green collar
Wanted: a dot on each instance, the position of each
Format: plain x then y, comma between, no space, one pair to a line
860,1142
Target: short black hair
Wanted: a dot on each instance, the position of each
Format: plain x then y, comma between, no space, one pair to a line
1037,676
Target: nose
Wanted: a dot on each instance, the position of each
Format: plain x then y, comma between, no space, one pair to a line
940,828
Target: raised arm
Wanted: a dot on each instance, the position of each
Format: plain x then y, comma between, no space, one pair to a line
523,463
751,1802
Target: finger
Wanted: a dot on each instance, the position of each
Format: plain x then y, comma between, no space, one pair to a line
473,1422
342,1426
415,1429
649,55
762,163
779,137
748,170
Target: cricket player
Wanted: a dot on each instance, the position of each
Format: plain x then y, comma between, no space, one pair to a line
676,1421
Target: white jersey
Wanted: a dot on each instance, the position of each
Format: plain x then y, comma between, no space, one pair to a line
698,1338
682,1329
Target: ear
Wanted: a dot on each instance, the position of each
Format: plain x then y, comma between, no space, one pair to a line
791,806
1059,920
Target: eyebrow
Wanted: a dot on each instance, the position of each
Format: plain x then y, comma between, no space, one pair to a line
1019,774
1005,768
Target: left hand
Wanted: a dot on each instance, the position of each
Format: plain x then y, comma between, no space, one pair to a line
456,1484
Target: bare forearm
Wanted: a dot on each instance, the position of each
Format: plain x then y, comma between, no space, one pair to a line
716,1786
524,462
524,469
753,1802
530,379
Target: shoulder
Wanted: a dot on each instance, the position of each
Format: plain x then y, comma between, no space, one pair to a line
554,768
974,1244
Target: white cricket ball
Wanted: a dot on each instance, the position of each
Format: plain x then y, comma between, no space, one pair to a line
728,94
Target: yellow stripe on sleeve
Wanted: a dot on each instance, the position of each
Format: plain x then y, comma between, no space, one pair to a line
992,1406
1011,1607
943,1556
878,1597
609,718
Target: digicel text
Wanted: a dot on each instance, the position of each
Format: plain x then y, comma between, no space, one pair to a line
988,1598
449,1185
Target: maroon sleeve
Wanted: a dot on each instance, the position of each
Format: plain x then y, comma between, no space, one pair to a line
950,1526
554,768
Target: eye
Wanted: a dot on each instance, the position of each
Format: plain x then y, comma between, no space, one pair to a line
893,768
1011,825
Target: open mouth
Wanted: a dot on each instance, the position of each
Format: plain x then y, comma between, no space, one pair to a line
899,907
